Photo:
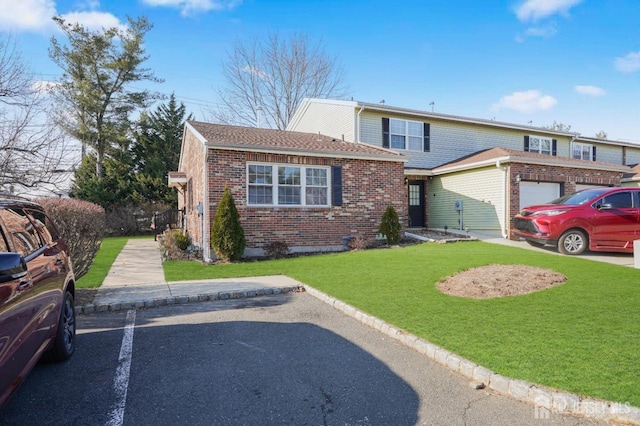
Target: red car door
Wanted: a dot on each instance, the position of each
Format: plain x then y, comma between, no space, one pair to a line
615,221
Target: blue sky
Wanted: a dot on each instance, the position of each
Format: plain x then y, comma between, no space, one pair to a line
522,61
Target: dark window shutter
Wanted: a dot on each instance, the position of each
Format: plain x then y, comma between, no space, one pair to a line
526,143
593,153
385,133
427,137
336,185
554,147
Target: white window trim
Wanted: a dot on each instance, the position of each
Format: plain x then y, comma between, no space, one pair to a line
303,185
541,139
582,146
407,135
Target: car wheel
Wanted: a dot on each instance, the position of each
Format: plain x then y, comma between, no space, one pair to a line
64,343
572,242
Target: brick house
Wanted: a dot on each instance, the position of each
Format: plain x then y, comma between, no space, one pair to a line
306,189
469,172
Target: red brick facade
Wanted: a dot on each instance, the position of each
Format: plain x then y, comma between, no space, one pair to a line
368,187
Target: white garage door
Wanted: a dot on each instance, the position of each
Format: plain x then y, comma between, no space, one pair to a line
538,193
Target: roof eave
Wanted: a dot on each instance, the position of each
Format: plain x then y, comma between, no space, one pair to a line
308,153
537,161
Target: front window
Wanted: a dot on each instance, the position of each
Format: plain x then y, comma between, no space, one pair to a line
293,185
540,145
582,151
405,134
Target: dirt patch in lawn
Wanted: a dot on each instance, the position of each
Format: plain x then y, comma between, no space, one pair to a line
492,281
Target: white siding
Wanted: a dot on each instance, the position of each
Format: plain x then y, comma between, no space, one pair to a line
331,119
482,195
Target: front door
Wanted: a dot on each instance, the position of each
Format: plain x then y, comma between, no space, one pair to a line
416,203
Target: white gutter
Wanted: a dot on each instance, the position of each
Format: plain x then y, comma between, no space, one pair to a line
358,124
505,199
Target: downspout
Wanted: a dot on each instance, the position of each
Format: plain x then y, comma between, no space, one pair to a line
205,208
358,124
505,199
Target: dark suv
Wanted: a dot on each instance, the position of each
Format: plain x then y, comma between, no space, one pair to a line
600,219
37,315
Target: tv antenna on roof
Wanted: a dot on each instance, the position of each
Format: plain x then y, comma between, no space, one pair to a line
432,105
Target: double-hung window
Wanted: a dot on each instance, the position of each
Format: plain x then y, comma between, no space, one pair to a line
583,151
276,185
540,145
405,134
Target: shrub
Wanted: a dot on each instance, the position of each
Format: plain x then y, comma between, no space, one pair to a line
357,242
390,226
227,235
81,224
182,239
276,249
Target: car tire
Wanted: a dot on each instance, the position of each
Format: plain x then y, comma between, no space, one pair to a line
64,343
573,242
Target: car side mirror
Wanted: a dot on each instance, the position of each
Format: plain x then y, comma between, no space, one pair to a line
12,266
605,206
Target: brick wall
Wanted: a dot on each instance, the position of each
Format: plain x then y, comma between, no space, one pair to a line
368,187
566,176
192,164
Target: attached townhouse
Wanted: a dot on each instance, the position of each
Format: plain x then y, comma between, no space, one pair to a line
472,173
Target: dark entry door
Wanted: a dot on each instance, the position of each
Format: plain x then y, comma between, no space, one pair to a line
416,203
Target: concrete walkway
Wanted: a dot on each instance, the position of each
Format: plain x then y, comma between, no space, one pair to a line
136,279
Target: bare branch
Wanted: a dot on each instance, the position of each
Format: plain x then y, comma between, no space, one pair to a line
272,76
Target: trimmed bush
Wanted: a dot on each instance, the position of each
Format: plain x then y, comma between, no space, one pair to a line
81,225
227,235
390,226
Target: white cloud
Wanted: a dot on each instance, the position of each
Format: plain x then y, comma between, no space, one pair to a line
27,15
94,21
188,7
629,63
533,10
590,90
527,101
43,86
548,31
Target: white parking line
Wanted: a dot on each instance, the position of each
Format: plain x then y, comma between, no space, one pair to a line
121,380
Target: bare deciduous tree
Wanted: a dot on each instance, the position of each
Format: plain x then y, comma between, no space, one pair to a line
601,135
558,127
33,152
267,79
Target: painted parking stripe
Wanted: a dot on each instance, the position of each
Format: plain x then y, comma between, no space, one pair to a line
121,380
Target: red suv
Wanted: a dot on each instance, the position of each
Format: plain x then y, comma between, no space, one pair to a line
37,315
600,219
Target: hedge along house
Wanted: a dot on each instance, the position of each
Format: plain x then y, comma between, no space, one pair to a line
453,175
306,189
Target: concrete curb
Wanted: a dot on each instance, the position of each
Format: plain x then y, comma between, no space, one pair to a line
179,300
544,400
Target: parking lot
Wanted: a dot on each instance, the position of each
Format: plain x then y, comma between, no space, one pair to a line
285,359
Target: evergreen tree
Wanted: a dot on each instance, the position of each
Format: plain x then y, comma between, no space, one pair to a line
390,225
227,235
156,152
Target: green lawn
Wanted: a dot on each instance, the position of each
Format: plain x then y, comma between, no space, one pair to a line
582,336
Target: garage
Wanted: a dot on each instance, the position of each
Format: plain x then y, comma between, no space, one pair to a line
532,193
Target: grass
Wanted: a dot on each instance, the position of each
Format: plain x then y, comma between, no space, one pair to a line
582,336
109,250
